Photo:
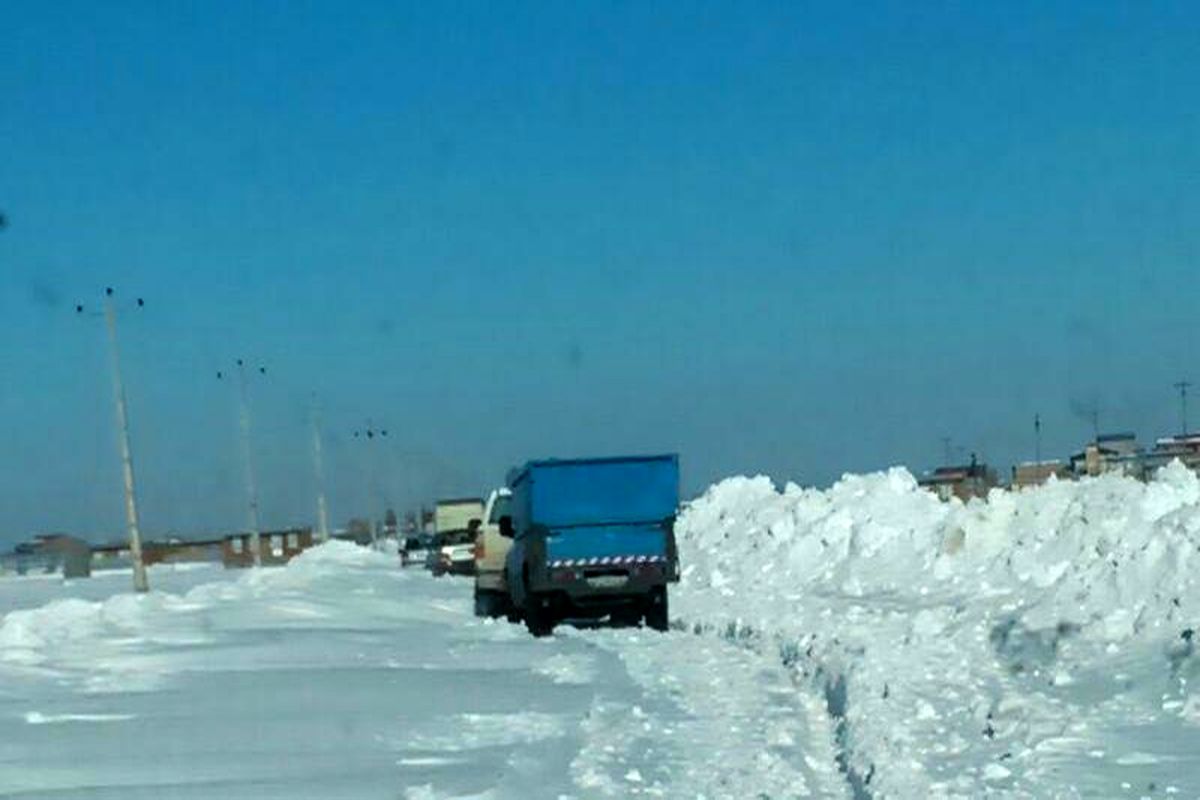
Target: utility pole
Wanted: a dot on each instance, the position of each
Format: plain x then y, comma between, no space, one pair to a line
140,582
368,436
1182,386
946,451
248,459
319,474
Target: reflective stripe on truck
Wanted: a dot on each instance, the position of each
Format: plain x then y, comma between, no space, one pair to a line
607,560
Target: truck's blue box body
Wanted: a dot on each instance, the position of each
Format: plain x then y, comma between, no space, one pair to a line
592,508
594,531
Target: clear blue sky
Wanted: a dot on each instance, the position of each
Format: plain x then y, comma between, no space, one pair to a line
790,238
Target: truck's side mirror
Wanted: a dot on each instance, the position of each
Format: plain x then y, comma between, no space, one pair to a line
473,526
506,527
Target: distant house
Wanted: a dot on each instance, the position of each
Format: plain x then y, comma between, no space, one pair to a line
1035,473
963,482
1143,464
277,547
180,551
114,555
54,552
357,531
1111,452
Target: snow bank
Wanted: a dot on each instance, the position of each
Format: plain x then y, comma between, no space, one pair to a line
965,644
75,631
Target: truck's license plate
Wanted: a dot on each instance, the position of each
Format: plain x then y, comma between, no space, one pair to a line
607,581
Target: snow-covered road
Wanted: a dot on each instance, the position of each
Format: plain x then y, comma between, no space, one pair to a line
342,676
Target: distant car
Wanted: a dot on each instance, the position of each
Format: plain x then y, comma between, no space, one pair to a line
455,522
453,555
413,551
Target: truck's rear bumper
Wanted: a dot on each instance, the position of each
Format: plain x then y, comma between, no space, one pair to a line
597,589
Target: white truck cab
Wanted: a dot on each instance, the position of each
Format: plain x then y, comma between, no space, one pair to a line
491,550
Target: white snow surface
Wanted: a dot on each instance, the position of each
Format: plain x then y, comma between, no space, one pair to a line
1036,644
343,676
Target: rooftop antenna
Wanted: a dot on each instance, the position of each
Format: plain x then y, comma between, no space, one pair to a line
1182,386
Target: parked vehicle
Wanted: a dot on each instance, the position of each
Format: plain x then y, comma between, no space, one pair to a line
454,516
455,554
455,523
593,538
491,549
415,549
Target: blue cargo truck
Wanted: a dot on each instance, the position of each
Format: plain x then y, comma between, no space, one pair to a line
593,537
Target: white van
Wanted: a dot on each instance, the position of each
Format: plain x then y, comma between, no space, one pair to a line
491,549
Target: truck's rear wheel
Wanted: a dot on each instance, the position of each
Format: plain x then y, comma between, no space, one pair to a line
539,615
656,609
510,609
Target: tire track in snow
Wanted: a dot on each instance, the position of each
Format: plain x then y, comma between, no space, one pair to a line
722,721
831,685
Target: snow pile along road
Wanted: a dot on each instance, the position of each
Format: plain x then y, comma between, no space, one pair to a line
1038,644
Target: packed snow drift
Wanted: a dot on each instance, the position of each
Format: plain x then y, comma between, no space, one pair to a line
343,676
1038,644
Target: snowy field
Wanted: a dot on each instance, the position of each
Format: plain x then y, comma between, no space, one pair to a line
38,589
864,641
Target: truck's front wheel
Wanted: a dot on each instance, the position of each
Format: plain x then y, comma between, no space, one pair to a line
486,603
